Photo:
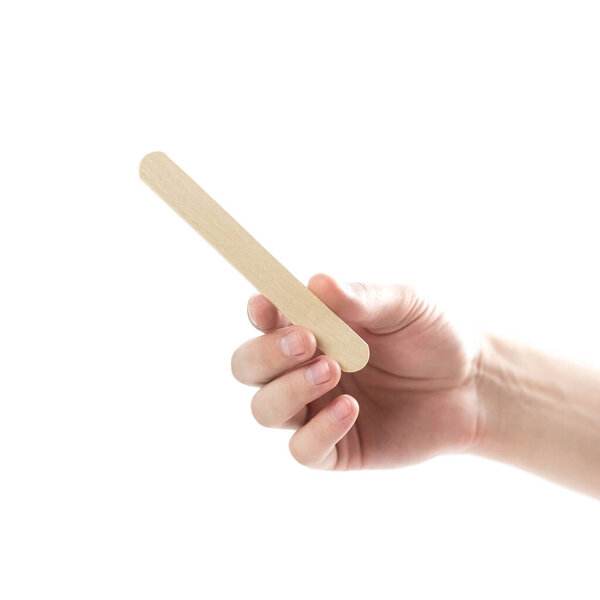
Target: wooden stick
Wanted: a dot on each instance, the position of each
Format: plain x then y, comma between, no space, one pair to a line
334,337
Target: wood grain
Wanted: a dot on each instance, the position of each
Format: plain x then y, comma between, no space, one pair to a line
334,337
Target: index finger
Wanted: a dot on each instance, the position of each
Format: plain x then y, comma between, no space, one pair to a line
264,315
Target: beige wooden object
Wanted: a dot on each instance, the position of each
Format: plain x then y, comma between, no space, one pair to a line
265,273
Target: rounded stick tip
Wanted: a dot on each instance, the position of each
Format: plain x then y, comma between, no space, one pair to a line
359,359
148,160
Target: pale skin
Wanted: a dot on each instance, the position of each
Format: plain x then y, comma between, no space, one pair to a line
427,390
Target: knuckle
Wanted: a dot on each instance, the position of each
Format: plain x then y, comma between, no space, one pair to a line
288,387
363,289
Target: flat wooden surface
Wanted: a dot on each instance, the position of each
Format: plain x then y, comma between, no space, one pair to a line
334,337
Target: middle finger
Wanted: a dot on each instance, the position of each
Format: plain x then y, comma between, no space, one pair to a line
261,359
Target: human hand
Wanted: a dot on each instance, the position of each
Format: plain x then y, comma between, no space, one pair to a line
415,399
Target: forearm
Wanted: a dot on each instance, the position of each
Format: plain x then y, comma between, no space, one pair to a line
540,413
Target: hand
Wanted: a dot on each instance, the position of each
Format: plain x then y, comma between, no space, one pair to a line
416,397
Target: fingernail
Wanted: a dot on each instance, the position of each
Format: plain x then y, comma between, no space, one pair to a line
250,311
340,409
292,344
318,373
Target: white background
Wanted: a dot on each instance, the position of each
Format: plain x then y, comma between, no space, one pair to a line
451,145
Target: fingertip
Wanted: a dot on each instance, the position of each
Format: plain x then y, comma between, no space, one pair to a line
321,283
310,341
327,289
343,409
263,315
346,300
251,310
314,444
334,368
324,372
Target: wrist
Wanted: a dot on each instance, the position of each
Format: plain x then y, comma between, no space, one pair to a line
492,385
539,413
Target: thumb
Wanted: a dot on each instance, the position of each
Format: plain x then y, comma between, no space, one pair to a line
378,308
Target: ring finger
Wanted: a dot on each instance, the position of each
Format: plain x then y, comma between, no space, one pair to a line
279,401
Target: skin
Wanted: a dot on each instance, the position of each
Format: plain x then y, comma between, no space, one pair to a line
427,390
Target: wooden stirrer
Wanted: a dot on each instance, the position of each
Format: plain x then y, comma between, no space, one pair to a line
334,337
